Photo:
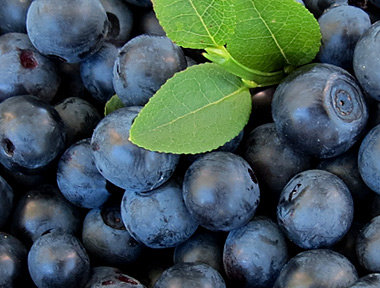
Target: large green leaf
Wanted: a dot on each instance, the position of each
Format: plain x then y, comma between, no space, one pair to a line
196,23
197,110
270,35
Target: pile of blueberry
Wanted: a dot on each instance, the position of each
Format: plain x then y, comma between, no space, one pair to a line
293,201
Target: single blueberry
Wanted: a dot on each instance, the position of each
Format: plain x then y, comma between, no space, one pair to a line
368,245
190,275
221,191
255,253
58,260
78,179
122,162
320,110
70,30
158,218
143,65
317,268
106,239
315,209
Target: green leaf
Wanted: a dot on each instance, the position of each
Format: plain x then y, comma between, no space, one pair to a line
271,35
113,104
196,111
196,23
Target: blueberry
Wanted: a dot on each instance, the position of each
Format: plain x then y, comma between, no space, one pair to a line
369,153
13,15
320,110
123,163
24,70
143,65
368,281
58,259
79,116
221,191
339,36
255,253
315,209
366,61
78,179
109,277
41,210
6,202
121,20
317,268
204,246
375,2
158,218
31,133
190,275
68,29
368,245
12,261
106,239
97,72
273,160
318,6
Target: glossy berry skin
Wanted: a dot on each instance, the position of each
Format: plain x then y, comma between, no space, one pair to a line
41,210
339,36
97,72
13,256
320,110
80,118
106,239
369,153
58,259
123,163
315,209
120,18
24,70
190,275
317,268
109,277
368,281
261,147
205,247
159,218
69,29
367,61
6,201
31,133
78,179
221,191
13,15
255,253
318,6
368,245
143,65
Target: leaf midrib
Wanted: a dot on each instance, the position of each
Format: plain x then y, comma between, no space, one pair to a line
203,23
270,31
196,110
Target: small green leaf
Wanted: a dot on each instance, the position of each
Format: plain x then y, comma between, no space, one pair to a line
270,35
196,23
113,104
196,111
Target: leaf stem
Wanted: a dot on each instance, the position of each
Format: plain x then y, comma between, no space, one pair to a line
221,56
